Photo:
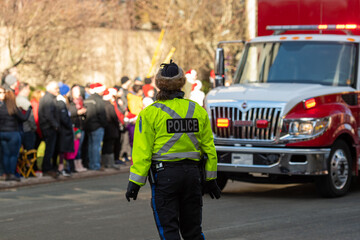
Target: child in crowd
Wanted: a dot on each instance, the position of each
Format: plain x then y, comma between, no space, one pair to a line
70,156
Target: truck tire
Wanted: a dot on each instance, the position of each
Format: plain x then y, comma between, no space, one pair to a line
221,180
338,180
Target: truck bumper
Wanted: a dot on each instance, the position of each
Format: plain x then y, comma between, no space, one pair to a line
284,161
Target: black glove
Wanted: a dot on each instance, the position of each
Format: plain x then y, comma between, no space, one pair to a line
132,191
212,188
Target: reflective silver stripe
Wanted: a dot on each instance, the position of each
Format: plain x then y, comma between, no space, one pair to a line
168,145
191,110
193,139
172,156
211,174
137,178
166,109
190,114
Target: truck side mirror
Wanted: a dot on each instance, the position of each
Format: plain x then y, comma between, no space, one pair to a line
219,68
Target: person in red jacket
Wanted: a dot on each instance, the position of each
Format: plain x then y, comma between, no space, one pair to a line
35,99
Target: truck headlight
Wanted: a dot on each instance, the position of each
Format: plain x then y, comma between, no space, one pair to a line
302,129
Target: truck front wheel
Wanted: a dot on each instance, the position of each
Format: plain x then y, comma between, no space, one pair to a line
338,180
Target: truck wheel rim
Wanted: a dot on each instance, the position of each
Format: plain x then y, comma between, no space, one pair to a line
339,169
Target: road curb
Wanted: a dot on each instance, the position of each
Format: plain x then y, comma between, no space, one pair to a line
4,185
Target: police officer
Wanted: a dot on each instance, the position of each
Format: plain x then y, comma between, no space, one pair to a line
171,136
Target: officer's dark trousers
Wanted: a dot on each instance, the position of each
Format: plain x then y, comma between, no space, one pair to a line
177,202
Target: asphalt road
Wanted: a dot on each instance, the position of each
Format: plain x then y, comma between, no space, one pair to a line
96,209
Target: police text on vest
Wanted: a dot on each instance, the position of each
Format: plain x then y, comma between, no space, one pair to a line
182,125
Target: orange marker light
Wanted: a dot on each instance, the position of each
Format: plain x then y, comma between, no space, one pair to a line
222,122
308,38
310,103
282,38
351,39
295,38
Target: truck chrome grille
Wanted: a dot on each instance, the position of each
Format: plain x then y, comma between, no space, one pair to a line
272,115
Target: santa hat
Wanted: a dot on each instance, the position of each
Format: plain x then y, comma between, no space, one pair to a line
146,88
147,101
97,88
212,73
170,77
113,91
77,130
106,95
191,75
109,93
130,117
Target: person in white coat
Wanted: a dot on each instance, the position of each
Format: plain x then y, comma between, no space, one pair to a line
196,94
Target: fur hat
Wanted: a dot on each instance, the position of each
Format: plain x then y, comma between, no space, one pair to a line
170,77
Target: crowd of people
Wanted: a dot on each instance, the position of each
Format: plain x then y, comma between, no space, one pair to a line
84,127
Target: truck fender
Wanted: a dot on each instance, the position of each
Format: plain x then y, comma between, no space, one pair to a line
347,133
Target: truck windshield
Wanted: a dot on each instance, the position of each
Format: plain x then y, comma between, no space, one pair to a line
299,62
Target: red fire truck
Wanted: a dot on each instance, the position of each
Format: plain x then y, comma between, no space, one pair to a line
292,113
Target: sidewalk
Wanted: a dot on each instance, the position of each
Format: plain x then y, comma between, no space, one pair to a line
47,179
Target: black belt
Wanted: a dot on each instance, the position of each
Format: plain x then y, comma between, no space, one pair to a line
176,163
158,166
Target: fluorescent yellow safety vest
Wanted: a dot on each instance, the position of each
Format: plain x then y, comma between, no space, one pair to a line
172,130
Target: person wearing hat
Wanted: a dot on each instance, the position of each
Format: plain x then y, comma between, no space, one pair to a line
190,76
125,85
77,114
171,137
10,82
95,123
148,89
196,94
65,141
112,130
29,126
138,81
